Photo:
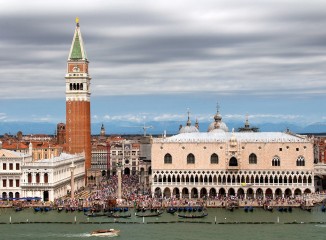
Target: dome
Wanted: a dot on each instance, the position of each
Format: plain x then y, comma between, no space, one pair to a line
217,125
188,129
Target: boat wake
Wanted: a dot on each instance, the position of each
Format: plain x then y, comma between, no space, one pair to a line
80,235
321,225
76,235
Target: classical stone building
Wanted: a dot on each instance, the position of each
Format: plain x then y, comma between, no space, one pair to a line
51,178
21,177
10,173
196,164
126,153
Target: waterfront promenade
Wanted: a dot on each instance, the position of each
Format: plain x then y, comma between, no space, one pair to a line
135,195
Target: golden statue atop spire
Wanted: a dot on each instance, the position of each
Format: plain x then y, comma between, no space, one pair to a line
77,21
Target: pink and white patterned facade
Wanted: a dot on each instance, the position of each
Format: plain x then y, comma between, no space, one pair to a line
251,164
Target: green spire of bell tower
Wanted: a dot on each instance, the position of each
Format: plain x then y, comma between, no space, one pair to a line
77,50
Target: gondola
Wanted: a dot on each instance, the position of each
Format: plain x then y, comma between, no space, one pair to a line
112,215
46,209
230,208
60,209
85,209
171,210
37,209
18,209
156,214
193,216
268,208
306,208
94,214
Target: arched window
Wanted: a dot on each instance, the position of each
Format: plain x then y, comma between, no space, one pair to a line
214,158
233,162
29,177
70,86
46,178
252,159
37,178
300,161
167,158
276,161
190,159
81,86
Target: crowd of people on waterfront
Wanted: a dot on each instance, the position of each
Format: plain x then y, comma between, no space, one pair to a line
135,194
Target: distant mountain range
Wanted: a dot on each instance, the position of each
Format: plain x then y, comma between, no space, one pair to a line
157,127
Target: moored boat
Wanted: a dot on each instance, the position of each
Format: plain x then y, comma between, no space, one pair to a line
171,210
268,208
193,216
113,215
18,209
37,209
93,214
155,214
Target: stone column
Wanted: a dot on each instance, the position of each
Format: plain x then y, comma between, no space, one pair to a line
72,180
119,167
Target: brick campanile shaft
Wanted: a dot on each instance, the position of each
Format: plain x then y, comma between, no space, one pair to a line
78,120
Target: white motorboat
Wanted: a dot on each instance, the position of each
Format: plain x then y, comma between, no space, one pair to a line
105,233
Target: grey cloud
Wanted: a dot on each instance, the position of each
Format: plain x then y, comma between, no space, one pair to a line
262,48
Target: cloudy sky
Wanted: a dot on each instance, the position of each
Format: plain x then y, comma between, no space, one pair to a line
152,60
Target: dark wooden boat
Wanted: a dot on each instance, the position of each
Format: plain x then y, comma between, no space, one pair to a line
112,215
306,208
230,208
46,209
193,216
37,209
60,209
95,214
268,208
155,214
171,210
18,209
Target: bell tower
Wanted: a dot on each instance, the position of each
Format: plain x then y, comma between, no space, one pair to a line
78,120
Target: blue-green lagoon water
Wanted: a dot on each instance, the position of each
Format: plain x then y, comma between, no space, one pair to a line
228,225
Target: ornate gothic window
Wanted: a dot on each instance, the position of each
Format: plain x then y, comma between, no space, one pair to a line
167,159
190,159
276,161
252,159
214,158
300,161
233,162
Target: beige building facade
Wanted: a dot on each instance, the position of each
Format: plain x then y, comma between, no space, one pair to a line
220,163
